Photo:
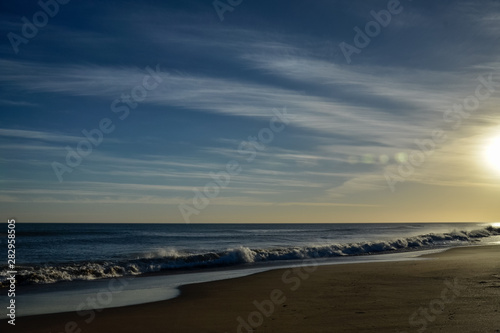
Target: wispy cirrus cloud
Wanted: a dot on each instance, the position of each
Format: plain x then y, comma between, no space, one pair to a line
220,85
37,135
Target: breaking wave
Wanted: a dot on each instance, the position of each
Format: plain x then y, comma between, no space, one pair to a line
170,260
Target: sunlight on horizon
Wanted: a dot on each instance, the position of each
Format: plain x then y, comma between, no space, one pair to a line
492,153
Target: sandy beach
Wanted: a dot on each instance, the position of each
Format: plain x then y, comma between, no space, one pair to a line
454,291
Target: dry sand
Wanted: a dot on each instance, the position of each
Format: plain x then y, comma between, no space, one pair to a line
456,291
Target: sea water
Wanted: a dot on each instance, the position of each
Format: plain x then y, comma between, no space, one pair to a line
60,266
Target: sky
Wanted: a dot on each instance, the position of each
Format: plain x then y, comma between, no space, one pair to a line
239,111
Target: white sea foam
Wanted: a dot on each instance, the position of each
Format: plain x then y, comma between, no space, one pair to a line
171,259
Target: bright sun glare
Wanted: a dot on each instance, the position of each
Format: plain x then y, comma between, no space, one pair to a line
493,153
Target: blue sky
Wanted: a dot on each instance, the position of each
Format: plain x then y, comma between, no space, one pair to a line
352,125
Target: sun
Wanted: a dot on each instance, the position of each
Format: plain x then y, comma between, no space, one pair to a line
492,153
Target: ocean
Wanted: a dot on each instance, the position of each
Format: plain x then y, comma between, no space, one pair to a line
57,259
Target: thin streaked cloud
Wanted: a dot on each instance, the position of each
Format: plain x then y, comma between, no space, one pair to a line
221,84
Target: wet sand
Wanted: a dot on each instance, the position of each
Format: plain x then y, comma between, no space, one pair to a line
454,291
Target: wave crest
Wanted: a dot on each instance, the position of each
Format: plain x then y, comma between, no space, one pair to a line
170,259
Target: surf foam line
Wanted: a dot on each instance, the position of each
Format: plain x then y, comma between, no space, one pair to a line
173,260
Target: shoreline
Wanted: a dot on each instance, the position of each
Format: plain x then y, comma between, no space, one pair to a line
74,266
378,296
167,285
